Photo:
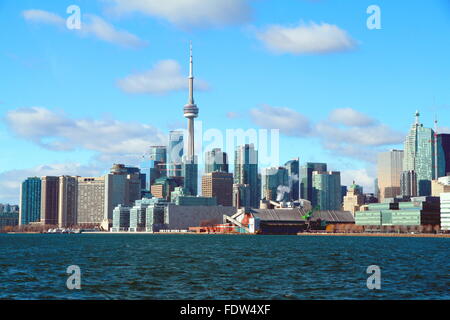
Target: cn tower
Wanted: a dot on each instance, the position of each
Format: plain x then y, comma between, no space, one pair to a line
190,109
190,167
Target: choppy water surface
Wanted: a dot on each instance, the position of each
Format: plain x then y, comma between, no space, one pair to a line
222,267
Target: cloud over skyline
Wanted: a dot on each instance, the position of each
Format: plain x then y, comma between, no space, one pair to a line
345,132
187,13
290,122
350,117
304,38
164,77
58,132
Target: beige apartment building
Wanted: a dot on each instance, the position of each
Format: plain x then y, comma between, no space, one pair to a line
390,167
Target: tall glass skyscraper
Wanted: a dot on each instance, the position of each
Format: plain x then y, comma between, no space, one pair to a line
30,201
390,167
419,156
216,160
275,184
154,165
293,168
175,153
306,191
327,190
246,171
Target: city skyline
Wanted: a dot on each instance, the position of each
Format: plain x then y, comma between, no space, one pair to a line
67,122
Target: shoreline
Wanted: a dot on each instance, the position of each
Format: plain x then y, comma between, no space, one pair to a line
391,235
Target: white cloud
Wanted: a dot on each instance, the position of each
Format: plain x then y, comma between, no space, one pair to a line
187,13
350,117
56,131
306,39
290,122
41,16
355,135
103,30
164,77
374,135
91,25
10,181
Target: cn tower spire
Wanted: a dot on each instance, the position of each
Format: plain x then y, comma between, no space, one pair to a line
436,149
191,76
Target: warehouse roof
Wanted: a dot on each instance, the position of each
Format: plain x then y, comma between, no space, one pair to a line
333,216
288,214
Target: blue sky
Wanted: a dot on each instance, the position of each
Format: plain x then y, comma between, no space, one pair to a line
74,102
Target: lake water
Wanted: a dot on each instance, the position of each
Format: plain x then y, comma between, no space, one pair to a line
145,266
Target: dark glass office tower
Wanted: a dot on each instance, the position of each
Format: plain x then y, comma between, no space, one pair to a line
246,171
444,154
216,161
306,188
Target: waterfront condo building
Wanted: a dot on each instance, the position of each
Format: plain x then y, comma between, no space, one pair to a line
67,201
49,200
30,201
121,187
90,200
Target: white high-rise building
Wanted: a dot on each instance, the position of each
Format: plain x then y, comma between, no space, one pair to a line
445,211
